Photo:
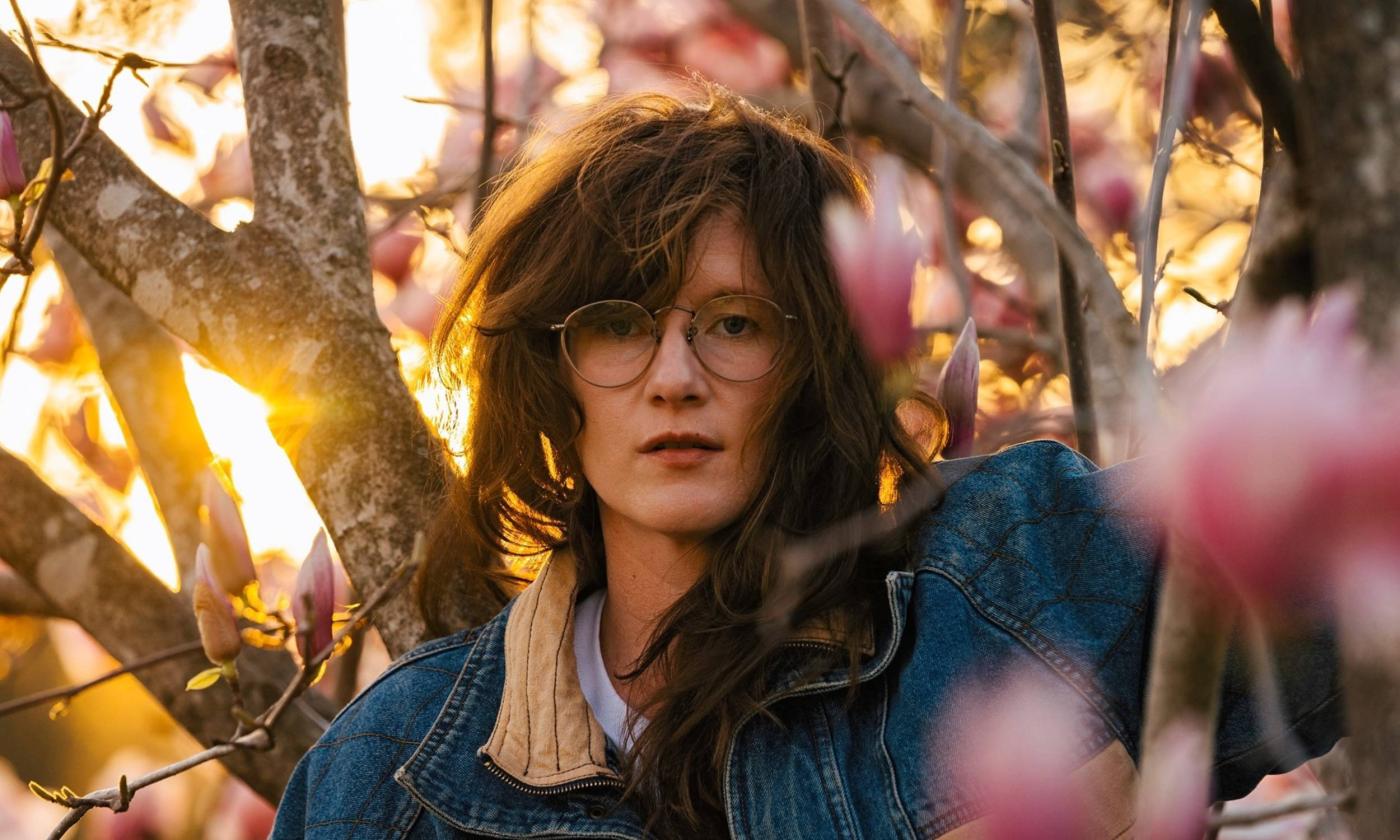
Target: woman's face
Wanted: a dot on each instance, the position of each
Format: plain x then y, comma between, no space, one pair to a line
689,492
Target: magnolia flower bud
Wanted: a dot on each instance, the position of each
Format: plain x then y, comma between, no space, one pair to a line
313,601
221,528
12,180
218,631
957,392
874,259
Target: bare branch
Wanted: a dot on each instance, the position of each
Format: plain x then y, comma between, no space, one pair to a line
1062,177
488,109
1286,808
1251,38
822,50
947,155
1181,69
1190,635
67,693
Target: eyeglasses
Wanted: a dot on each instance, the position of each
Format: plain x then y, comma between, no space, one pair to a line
610,343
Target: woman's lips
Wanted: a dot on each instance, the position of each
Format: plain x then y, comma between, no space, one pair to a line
688,456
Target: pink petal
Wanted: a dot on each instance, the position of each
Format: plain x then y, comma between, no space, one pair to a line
12,180
313,600
231,558
957,392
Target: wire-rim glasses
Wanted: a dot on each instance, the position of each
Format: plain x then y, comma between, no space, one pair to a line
610,343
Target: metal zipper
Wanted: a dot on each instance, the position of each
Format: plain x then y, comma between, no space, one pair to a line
566,787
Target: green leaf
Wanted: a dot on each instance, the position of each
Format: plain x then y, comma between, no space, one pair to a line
204,679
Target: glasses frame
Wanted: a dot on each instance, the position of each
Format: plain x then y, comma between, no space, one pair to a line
690,331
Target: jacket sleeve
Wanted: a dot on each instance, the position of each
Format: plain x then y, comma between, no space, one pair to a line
1066,557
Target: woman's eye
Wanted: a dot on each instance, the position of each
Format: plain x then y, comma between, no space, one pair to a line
734,325
619,328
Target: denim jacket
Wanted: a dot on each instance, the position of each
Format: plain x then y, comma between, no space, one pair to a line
1034,559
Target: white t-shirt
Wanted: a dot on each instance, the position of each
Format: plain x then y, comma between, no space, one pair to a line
607,705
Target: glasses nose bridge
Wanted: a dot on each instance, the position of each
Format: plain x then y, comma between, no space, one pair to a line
658,315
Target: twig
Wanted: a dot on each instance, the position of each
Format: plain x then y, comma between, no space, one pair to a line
488,108
12,329
69,692
1252,43
1266,17
458,105
947,155
1086,432
1180,71
259,736
1195,294
1286,808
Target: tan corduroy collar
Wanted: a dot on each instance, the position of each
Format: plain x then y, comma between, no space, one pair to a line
545,733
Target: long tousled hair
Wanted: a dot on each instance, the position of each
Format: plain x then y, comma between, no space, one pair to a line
611,210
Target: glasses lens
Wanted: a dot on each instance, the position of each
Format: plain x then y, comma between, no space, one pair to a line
739,336
609,342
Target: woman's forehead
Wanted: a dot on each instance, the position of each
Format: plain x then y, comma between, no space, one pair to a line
722,261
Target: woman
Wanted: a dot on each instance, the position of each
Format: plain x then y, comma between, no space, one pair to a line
666,393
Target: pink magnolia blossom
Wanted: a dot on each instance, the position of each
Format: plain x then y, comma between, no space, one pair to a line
12,180
874,257
1286,457
221,528
957,392
313,600
735,54
1014,748
1175,807
218,630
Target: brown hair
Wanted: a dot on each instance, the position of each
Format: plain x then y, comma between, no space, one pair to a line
609,210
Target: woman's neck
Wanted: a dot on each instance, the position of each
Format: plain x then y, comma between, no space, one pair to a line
647,572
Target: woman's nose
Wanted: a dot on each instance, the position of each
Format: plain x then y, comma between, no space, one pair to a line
675,373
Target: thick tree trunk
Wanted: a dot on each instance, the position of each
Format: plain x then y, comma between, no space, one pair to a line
1349,111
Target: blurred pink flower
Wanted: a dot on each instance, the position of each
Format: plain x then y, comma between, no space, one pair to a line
1014,748
218,630
239,814
1288,455
874,257
957,392
733,53
221,529
231,173
391,251
313,600
163,128
210,70
12,180
1175,808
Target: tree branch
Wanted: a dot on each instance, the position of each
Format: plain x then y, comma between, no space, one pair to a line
1252,44
1181,69
1052,75
17,597
142,366
305,185
91,578
68,692
489,123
